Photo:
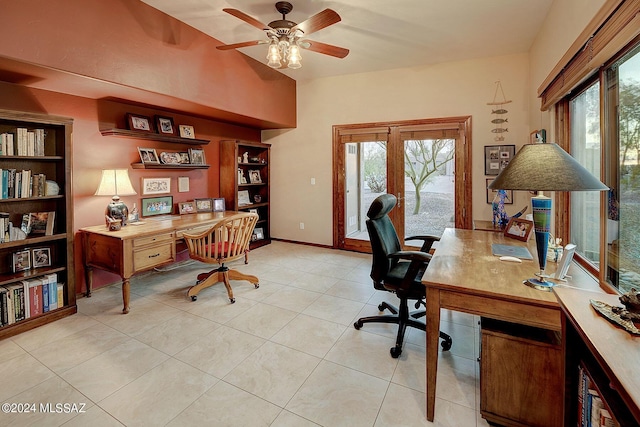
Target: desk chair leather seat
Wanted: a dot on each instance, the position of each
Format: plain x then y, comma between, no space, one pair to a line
226,241
397,271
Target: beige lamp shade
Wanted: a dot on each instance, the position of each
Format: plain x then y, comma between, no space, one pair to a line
115,182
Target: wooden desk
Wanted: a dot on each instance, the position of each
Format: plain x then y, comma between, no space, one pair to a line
464,276
136,248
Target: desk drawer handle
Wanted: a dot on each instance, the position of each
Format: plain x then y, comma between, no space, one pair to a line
153,256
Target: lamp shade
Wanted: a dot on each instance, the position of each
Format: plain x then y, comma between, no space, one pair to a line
545,167
115,182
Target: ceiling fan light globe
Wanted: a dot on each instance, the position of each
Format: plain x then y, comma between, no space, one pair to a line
274,63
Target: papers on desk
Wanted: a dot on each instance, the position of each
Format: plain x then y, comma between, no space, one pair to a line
511,250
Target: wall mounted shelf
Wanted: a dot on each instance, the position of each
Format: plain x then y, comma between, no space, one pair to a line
152,136
171,167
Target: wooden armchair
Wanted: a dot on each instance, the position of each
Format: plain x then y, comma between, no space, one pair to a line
226,241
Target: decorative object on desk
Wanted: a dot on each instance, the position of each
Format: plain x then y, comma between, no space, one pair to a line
499,111
631,302
519,229
157,206
165,125
21,261
139,122
116,183
41,257
148,156
521,252
608,312
563,264
243,198
156,185
491,194
183,184
187,131
196,155
254,176
134,215
498,213
184,157
497,157
186,208
218,204
114,224
544,167
257,198
170,158
204,205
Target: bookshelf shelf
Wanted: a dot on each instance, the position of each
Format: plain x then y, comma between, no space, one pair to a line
170,167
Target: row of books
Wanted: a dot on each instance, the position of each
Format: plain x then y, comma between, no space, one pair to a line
591,409
24,143
30,298
21,184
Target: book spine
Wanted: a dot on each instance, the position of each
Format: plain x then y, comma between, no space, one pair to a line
53,294
60,295
11,315
5,308
44,285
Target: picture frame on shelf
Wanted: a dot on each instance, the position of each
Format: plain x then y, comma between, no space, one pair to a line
497,157
218,204
157,205
204,205
38,223
148,156
165,125
241,178
21,261
139,122
170,158
41,257
258,234
185,208
254,176
519,229
183,184
184,157
243,198
254,210
156,185
492,193
196,156
187,131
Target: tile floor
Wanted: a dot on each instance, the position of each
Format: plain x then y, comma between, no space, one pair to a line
285,354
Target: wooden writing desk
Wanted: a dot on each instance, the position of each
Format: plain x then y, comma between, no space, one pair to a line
136,248
464,276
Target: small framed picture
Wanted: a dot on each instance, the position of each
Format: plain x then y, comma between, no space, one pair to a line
204,205
165,125
218,205
254,177
41,257
497,157
241,178
183,184
156,185
519,229
187,132
139,123
148,156
258,234
157,206
186,208
243,198
255,211
508,200
21,260
196,155
184,157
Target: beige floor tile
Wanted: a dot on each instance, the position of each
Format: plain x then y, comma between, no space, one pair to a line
9,349
335,309
145,314
292,298
21,373
313,282
214,305
403,407
94,417
463,337
282,275
287,419
262,320
357,291
177,333
310,335
53,332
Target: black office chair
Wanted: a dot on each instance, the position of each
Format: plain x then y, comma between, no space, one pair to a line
397,271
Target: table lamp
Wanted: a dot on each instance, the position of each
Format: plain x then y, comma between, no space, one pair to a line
544,167
116,183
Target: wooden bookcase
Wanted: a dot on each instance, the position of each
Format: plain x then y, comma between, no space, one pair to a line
232,165
55,164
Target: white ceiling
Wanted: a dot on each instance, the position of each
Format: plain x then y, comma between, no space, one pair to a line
379,34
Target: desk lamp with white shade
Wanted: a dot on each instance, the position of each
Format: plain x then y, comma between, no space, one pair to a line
544,167
116,183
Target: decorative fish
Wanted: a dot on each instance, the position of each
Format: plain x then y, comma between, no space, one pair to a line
499,130
499,111
498,121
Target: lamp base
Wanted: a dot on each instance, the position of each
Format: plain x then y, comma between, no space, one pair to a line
117,210
539,284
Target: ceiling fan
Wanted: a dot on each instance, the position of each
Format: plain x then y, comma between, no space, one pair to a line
285,37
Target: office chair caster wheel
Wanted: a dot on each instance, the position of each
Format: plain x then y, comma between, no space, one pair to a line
446,344
257,285
395,352
357,325
381,307
194,297
232,300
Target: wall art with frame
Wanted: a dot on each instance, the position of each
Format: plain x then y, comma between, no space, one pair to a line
156,185
497,157
139,122
157,205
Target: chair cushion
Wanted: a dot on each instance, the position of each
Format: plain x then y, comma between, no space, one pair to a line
223,247
394,279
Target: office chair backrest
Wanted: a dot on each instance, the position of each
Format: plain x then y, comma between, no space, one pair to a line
382,235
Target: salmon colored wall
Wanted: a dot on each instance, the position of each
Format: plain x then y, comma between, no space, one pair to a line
93,152
134,45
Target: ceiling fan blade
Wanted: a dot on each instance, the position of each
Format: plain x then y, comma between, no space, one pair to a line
318,21
246,18
327,49
242,44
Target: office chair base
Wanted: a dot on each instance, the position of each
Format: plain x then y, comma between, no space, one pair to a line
220,275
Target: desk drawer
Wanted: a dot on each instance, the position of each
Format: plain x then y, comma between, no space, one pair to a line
154,255
144,241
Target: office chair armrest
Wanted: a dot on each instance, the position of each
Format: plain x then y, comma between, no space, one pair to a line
412,256
427,241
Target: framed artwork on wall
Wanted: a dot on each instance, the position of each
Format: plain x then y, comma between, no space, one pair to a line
156,185
157,206
497,157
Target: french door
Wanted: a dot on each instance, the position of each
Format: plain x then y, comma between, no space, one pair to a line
426,164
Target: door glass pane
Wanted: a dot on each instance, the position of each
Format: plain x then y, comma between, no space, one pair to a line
365,179
429,186
585,147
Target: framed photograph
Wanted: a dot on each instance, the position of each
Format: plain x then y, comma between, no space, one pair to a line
187,132
204,205
165,125
170,158
519,229
196,156
157,206
254,176
255,211
186,208
184,157
156,185
41,257
492,193
148,156
139,123
258,234
218,205
243,198
497,157
241,178
21,260
183,184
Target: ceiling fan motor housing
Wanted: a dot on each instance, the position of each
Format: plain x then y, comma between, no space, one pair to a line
283,26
